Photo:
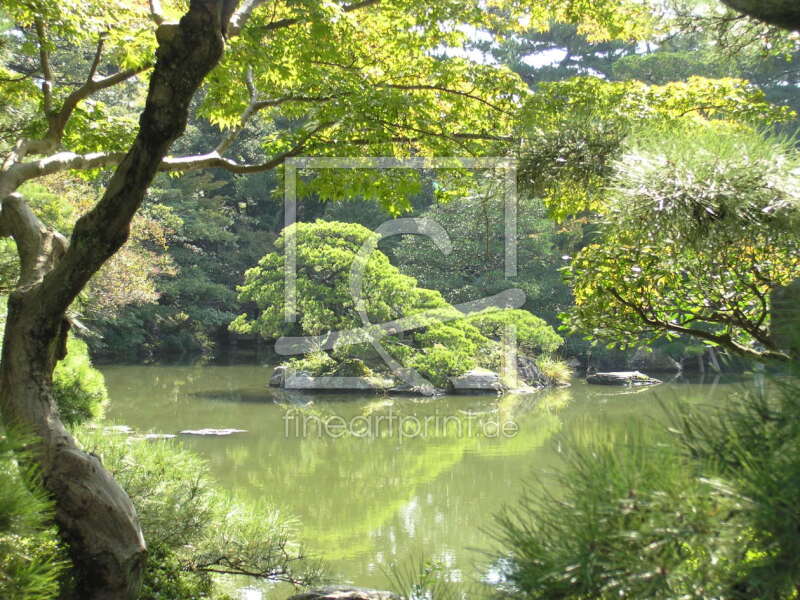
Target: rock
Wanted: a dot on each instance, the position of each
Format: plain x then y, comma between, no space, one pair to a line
529,373
531,376
278,376
304,381
476,381
345,593
621,378
656,360
406,389
212,431
118,429
785,317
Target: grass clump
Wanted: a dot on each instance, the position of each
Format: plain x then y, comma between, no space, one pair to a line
554,370
709,512
31,560
194,530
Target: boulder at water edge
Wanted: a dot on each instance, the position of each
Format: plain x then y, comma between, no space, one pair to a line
278,376
476,381
303,381
621,378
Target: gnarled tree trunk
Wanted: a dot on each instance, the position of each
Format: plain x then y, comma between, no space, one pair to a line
93,512
781,13
785,318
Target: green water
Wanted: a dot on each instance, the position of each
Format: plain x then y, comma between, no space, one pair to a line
367,499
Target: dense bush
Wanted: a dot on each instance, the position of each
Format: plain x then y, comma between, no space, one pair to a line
79,388
439,341
319,363
457,335
193,529
701,229
714,516
533,334
438,362
30,560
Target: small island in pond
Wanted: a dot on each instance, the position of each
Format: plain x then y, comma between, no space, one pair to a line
388,333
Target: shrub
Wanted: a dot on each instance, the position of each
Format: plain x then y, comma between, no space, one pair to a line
438,363
30,559
321,364
352,367
628,522
79,388
715,516
458,335
554,370
534,335
193,529
317,363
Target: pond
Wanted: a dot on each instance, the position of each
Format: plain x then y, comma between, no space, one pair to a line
376,481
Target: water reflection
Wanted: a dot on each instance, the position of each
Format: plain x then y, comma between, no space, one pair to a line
368,501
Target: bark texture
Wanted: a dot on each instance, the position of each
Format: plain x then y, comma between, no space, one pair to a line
785,317
93,512
781,13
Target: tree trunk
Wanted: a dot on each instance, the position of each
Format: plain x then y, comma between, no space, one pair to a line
785,318
781,13
94,514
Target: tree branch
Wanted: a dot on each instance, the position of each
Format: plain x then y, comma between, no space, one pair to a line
439,88
214,160
58,121
256,105
62,161
241,16
288,22
444,134
724,340
155,12
44,60
38,246
98,54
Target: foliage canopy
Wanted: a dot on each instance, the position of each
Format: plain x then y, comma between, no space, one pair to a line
441,340
701,228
